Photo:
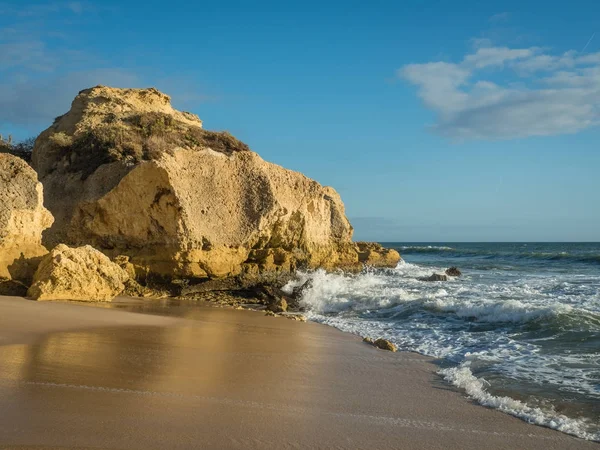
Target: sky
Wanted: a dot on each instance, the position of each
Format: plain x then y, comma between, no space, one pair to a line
436,121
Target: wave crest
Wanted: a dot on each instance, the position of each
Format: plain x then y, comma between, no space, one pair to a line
463,378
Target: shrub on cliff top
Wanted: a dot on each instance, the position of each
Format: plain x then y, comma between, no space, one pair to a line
138,138
21,149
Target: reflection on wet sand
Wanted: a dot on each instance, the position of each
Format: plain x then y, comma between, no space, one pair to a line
206,356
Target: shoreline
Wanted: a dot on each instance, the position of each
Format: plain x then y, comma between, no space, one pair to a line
226,378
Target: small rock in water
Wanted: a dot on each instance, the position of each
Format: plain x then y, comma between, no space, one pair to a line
453,272
435,277
368,340
384,344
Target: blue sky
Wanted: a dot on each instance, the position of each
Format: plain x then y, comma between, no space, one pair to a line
436,121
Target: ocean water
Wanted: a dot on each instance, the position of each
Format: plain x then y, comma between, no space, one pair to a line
518,331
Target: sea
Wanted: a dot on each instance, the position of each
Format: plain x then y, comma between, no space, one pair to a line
518,331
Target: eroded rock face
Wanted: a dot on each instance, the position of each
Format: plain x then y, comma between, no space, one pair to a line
82,273
22,219
126,173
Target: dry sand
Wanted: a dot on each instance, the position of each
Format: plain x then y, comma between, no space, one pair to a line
73,376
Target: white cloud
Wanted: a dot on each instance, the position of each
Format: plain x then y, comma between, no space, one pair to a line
496,56
440,83
504,93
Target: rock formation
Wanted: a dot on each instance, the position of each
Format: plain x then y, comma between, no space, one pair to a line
22,219
82,273
126,173
373,254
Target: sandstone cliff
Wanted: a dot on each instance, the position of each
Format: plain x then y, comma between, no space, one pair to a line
126,173
22,218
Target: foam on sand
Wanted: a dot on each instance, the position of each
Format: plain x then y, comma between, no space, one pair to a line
463,378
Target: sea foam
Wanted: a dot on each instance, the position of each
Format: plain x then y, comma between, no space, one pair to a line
474,387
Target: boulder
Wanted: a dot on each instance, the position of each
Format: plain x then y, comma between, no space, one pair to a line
126,173
82,273
375,255
435,277
22,219
453,272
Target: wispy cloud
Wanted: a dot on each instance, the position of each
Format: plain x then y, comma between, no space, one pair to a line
500,17
40,69
503,93
31,102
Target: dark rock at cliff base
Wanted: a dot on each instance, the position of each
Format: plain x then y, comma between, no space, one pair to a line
453,272
435,277
278,305
13,288
297,293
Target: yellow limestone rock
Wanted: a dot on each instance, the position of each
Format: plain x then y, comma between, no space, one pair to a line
125,172
22,219
82,273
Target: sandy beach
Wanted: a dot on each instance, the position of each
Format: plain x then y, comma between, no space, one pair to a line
75,376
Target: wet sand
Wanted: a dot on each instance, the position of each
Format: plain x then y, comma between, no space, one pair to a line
75,376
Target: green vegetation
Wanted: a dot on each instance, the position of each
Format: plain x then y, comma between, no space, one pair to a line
138,138
21,149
